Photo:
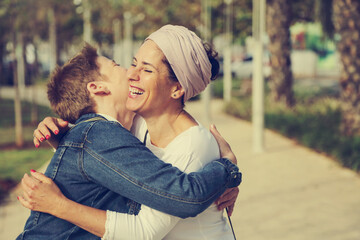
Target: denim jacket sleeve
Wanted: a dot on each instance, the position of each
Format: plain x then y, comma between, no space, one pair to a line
117,160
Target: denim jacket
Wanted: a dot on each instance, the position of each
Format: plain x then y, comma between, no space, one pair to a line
102,165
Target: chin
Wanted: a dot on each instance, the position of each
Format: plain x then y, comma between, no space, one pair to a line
131,107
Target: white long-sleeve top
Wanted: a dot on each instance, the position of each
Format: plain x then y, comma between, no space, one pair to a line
189,151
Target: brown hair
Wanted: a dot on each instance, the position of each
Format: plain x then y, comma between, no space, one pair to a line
67,87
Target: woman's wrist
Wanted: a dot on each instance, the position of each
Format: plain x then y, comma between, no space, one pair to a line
61,207
231,156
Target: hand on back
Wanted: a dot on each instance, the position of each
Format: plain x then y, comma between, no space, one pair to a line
228,199
50,129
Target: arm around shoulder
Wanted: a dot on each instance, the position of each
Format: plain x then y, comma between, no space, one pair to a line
120,162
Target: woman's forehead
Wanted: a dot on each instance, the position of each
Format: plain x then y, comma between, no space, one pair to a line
150,47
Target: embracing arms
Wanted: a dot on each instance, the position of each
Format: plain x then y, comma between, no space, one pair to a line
158,197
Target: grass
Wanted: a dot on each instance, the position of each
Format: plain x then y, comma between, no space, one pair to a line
15,162
8,116
217,86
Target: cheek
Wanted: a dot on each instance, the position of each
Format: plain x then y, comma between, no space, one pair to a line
156,90
131,73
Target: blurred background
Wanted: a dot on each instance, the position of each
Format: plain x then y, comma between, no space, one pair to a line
303,54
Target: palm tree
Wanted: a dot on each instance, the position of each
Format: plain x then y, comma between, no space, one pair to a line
346,15
279,17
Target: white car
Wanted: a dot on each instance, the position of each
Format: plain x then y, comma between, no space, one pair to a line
244,68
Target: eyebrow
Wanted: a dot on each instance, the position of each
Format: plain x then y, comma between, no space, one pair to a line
146,63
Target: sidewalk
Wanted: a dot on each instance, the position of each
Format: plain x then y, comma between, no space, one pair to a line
288,192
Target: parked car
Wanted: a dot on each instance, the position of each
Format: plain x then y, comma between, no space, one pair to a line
244,68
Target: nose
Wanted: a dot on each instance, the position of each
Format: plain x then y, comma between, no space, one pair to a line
133,74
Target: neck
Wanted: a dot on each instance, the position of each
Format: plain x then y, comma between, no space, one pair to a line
124,116
126,119
165,127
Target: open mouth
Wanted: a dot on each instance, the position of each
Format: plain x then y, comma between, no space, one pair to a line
135,91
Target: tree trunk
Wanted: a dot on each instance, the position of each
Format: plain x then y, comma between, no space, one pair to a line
117,41
18,73
2,47
278,29
34,76
128,39
52,39
347,25
87,21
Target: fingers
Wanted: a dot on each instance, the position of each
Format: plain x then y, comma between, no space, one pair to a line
44,130
62,123
231,209
46,127
215,132
28,184
40,177
26,197
38,138
40,134
228,198
224,205
51,124
25,203
36,142
225,149
220,140
221,198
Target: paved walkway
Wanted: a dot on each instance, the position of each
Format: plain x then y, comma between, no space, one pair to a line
288,192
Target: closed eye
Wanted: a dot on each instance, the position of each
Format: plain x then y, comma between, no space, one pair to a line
115,64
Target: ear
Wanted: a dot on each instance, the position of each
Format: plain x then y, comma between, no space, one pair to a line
177,91
98,88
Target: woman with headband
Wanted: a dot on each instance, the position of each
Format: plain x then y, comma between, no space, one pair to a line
172,66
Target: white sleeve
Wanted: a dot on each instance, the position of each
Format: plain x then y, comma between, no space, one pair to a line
153,224
148,224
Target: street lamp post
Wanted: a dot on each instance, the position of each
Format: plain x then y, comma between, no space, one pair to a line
117,41
87,21
128,40
128,47
258,77
227,54
206,95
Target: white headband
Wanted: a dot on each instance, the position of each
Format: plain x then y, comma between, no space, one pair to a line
187,57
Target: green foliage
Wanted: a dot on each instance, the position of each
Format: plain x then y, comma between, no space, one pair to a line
8,116
315,124
7,122
218,86
239,107
14,163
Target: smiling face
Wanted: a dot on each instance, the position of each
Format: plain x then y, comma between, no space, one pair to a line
114,77
150,90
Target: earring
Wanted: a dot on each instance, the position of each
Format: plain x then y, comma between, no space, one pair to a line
174,94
